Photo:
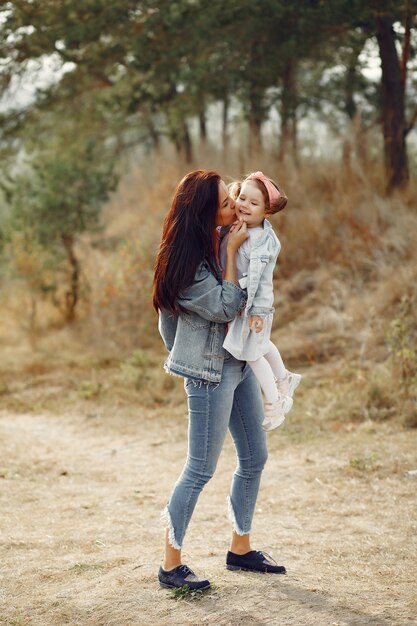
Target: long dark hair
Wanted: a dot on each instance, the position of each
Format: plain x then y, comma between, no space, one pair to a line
187,238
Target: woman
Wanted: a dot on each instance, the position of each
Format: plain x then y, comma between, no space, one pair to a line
195,302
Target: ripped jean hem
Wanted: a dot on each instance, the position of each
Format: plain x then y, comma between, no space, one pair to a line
166,519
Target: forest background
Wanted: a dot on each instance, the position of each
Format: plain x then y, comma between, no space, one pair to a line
107,104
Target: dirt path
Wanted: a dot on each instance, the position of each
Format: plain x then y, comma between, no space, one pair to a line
81,537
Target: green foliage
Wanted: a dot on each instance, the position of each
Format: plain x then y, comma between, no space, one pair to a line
363,463
128,72
53,197
402,340
185,593
138,60
380,402
61,194
89,390
139,359
136,369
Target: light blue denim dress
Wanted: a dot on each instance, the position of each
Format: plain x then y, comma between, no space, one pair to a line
256,260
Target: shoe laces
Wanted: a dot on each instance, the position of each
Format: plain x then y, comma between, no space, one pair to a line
267,556
185,569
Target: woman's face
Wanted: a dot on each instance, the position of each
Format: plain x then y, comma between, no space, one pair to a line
226,210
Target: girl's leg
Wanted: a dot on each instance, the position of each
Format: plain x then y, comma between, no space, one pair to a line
209,413
265,376
287,382
274,359
250,443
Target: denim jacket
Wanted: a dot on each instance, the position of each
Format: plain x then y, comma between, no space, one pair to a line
256,259
264,252
195,338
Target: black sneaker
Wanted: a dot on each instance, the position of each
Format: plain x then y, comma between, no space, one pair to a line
180,576
254,561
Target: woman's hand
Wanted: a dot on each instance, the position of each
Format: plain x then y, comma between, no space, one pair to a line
235,223
256,323
237,235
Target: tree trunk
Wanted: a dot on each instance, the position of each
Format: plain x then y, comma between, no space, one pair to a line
354,134
154,134
255,141
256,117
225,122
72,294
186,142
361,141
350,82
288,143
177,145
202,123
393,105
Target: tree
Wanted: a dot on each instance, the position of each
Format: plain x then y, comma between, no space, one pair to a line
57,199
384,20
393,83
154,64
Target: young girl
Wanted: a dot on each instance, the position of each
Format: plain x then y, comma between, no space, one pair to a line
248,334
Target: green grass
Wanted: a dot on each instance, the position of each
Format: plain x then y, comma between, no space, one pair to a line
185,593
81,568
363,463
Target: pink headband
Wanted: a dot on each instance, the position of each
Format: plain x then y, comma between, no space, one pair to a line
273,192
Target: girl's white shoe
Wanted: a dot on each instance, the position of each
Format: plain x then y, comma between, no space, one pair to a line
275,412
289,384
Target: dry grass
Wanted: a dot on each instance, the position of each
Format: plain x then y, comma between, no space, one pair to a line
93,432
348,261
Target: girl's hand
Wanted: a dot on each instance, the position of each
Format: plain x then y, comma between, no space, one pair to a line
237,235
256,323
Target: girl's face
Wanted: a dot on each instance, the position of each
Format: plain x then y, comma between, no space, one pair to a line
250,205
226,210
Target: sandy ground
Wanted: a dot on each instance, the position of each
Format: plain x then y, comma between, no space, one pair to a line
81,536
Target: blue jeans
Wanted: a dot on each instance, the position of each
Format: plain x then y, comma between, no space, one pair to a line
235,404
